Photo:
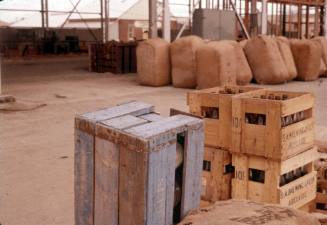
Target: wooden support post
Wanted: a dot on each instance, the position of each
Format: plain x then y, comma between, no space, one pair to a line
299,20
153,29
325,19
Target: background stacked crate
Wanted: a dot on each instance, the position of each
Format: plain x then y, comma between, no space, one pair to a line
215,106
320,203
273,148
115,57
133,166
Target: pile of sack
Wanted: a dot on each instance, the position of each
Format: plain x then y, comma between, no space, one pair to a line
190,62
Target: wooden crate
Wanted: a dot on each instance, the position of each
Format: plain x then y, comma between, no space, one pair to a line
115,57
215,105
321,198
84,154
260,179
216,175
137,180
273,124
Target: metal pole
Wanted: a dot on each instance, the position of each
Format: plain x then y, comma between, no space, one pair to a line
153,30
106,20
264,17
166,20
307,22
0,73
42,13
316,26
46,14
253,19
101,22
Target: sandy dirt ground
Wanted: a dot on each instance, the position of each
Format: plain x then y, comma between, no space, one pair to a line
36,147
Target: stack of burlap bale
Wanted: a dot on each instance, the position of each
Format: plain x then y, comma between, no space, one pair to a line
190,62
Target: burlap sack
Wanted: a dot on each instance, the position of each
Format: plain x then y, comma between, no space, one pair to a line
153,63
285,50
243,212
183,63
215,65
243,70
243,42
307,56
323,68
265,60
323,43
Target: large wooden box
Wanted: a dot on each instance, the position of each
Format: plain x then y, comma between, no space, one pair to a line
291,182
137,178
273,124
84,154
215,106
216,175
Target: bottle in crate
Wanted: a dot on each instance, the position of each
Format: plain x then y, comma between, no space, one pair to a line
215,106
273,124
291,182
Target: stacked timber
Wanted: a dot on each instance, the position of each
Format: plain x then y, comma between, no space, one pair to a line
273,148
133,166
238,212
115,57
215,106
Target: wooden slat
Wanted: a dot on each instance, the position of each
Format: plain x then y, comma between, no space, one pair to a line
297,104
151,117
133,170
193,161
299,192
160,189
84,178
218,184
297,137
106,182
299,160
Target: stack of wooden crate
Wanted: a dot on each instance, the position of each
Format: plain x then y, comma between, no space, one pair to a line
259,144
215,106
115,57
320,203
133,166
273,147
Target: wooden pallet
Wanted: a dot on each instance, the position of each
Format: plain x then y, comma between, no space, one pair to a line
84,154
216,175
273,124
265,180
215,105
135,169
115,57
